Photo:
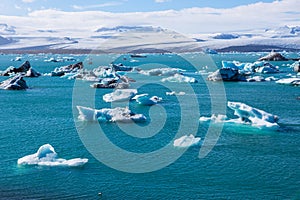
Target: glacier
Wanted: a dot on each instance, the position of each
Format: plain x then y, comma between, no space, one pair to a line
46,156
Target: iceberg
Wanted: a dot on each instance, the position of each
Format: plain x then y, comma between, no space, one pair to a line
273,56
109,115
173,93
146,100
14,83
289,81
248,68
246,115
186,141
178,78
46,156
120,95
162,72
60,71
226,74
25,69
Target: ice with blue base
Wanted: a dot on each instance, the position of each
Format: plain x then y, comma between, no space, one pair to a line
246,115
146,100
109,115
46,156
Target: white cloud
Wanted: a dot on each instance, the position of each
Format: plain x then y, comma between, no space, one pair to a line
193,20
77,7
28,1
162,1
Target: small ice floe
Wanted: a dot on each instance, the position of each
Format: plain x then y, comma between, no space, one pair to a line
14,83
109,115
289,81
186,141
46,156
162,72
146,100
246,115
18,58
178,78
256,79
271,78
120,95
60,71
173,93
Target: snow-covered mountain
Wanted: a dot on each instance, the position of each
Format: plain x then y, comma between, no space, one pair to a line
145,38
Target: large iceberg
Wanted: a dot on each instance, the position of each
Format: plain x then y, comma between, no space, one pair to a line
14,83
186,141
46,156
120,95
248,68
146,100
246,115
109,115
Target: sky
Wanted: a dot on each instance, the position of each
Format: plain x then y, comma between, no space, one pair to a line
184,16
23,7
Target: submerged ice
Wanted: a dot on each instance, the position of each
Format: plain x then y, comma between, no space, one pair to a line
46,156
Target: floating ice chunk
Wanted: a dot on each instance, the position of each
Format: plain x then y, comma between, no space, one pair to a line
146,100
178,78
14,83
289,81
46,156
271,78
173,93
186,141
256,79
162,72
120,95
254,116
109,115
246,115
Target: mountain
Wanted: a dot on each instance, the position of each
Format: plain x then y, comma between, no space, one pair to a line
122,39
7,30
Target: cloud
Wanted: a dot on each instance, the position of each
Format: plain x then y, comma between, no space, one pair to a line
192,20
77,7
28,1
162,1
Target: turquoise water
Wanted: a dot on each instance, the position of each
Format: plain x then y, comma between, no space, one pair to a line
245,163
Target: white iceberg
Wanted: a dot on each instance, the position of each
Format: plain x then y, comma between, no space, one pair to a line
146,100
246,115
178,78
186,141
120,95
173,93
289,81
109,115
161,72
46,156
